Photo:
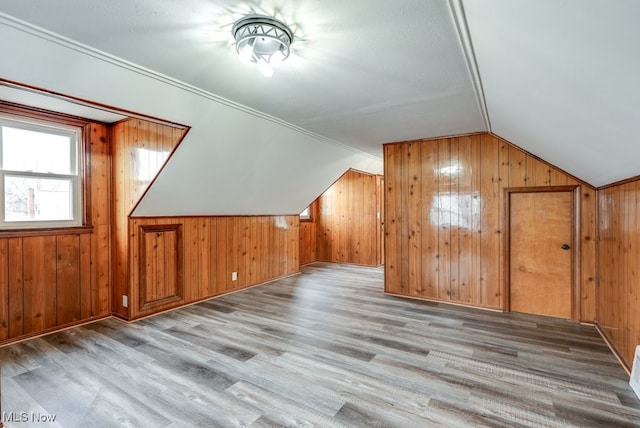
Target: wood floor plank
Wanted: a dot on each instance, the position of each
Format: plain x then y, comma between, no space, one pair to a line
324,348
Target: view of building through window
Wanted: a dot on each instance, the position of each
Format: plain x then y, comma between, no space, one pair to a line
28,199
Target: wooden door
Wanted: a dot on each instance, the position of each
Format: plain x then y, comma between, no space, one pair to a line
540,252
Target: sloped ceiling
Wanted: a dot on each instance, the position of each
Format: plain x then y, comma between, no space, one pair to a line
562,80
554,77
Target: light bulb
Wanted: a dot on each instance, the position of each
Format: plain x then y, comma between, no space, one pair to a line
265,69
276,59
246,53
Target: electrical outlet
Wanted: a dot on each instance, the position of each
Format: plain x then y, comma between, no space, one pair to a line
234,276
125,301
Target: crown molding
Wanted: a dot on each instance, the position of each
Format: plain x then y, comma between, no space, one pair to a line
464,36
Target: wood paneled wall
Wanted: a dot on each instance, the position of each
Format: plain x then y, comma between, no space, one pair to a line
348,222
140,150
618,311
309,236
258,248
444,202
56,278
209,248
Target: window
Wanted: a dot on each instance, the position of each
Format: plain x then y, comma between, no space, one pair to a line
40,174
306,213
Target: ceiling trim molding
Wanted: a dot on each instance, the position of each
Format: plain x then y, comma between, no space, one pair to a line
81,48
464,36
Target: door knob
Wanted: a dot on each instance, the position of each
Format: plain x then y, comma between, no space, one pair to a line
565,247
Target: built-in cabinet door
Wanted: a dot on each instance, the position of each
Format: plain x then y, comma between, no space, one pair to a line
541,253
160,265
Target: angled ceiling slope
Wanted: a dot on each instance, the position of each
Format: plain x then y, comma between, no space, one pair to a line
556,78
561,80
234,161
361,74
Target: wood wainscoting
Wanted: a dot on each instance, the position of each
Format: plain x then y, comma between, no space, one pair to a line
349,220
206,249
444,218
618,314
55,278
140,150
309,236
52,279
346,222
209,250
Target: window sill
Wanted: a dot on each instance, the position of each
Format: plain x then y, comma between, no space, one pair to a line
19,233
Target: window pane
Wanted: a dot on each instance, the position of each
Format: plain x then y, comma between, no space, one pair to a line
37,199
26,150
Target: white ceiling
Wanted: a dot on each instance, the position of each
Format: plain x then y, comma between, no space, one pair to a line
562,80
362,72
558,78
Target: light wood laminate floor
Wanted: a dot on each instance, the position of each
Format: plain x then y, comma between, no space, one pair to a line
324,348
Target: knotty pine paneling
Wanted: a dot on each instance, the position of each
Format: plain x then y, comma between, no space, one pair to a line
51,281
380,225
15,286
99,167
258,248
309,236
618,309
139,151
347,223
588,266
444,215
67,274
5,300
60,278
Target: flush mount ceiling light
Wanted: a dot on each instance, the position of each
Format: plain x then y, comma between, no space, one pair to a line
263,40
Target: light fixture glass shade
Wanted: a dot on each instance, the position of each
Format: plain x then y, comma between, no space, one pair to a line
263,40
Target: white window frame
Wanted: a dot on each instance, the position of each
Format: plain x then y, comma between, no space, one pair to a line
51,127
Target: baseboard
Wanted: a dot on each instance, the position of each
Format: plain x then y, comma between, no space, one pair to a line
613,348
343,263
51,331
195,302
444,302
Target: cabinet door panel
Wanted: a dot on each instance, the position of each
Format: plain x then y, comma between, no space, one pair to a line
160,265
